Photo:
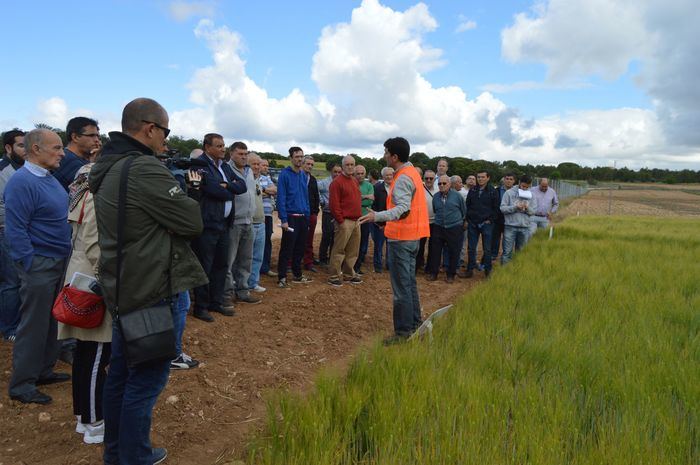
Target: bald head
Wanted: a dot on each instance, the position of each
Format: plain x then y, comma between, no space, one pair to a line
444,183
146,120
544,184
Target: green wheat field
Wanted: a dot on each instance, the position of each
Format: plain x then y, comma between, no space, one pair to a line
584,350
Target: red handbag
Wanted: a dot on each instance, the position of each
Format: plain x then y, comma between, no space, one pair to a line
78,308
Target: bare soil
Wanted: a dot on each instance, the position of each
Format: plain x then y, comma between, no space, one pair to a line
646,202
281,343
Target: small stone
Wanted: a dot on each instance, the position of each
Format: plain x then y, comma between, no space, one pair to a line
270,363
365,316
172,400
195,342
44,417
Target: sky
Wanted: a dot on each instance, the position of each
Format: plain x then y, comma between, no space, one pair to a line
596,82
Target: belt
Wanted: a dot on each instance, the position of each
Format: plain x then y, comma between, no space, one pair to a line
540,214
296,215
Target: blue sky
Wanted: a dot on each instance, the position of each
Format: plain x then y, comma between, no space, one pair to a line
598,90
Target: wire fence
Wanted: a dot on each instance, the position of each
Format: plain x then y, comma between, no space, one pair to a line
564,189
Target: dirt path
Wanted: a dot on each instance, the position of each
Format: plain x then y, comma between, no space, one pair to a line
280,343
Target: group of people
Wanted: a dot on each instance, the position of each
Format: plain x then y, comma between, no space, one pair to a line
206,231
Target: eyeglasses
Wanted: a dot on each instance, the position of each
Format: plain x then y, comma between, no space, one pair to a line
427,178
443,183
166,131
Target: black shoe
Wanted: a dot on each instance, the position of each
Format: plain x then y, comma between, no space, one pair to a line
311,269
450,279
395,339
249,299
159,454
34,397
53,379
432,277
225,311
487,273
360,272
203,315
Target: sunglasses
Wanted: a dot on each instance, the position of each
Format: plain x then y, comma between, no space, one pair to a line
442,183
166,131
428,178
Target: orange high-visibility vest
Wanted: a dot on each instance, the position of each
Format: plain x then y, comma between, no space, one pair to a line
414,226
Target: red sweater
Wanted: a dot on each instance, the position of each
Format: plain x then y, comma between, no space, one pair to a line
345,198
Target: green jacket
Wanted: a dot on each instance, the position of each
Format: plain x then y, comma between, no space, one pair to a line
158,213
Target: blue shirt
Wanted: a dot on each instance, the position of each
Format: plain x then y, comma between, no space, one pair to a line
265,182
292,194
71,163
36,217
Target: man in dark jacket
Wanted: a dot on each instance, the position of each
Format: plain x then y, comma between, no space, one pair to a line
219,187
381,191
482,213
314,202
499,226
157,263
83,136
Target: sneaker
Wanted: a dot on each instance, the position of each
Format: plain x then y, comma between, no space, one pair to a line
271,274
335,281
480,267
360,272
302,279
94,433
10,338
355,280
159,455
79,425
183,362
249,299
259,288
282,284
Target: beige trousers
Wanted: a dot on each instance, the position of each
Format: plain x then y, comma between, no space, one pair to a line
346,247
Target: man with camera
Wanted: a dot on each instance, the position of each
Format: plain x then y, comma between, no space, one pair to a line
158,222
217,194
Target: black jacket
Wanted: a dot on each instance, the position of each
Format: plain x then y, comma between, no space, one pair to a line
213,197
380,196
314,197
482,207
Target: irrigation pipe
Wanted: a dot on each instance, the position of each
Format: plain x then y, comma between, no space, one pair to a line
427,326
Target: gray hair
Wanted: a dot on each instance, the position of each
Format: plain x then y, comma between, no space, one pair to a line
429,171
35,136
385,169
309,157
455,178
253,156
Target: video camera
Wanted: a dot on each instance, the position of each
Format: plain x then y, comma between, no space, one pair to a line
181,165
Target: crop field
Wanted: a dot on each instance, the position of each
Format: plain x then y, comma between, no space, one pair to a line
584,350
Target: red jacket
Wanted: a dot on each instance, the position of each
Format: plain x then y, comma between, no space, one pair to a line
345,198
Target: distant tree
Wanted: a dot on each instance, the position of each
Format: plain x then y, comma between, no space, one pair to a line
182,145
419,159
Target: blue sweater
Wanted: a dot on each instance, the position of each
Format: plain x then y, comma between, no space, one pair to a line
452,212
36,217
292,194
71,163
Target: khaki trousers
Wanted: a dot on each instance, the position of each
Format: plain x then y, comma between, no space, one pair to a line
346,246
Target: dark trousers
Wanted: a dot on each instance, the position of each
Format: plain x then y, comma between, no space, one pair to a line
406,308
364,246
212,250
89,374
421,262
128,399
293,245
36,348
379,246
9,290
473,232
309,251
267,255
327,234
498,230
449,239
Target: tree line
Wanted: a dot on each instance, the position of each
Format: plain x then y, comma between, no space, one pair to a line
464,166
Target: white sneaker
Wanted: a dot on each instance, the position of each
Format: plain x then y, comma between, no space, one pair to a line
259,288
94,433
79,425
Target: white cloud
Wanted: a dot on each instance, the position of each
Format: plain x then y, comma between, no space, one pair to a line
181,10
576,38
518,86
370,75
52,111
465,24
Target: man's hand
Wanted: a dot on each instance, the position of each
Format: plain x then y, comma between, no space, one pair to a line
368,218
549,216
285,226
195,178
271,189
223,184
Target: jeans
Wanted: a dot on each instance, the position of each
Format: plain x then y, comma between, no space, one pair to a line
292,247
496,239
258,252
267,255
182,306
9,290
473,232
406,308
538,222
379,242
513,236
364,246
128,399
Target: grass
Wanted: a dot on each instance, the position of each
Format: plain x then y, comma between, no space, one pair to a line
584,350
